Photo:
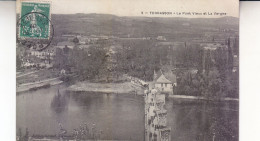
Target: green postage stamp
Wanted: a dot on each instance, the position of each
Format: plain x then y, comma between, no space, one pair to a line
35,20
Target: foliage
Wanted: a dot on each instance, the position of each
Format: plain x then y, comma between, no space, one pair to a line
86,63
214,78
141,58
75,40
209,85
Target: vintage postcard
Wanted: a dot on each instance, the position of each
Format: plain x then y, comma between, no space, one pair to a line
161,70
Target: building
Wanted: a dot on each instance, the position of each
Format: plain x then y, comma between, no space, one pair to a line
40,59
161,38
62,45
165,82
82,46
68,35
46,54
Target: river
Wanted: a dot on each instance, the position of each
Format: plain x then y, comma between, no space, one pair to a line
121,116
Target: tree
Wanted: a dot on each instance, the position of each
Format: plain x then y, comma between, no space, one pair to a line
87,63
60,59
230,56
76,40
26,136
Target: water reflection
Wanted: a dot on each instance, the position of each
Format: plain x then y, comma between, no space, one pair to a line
203,121
121,117
59,102
118,117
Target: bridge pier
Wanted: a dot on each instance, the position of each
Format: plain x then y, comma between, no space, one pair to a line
156,128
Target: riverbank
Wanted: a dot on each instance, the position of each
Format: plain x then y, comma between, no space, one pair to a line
37,85
201,98
118,88
34,79
31,76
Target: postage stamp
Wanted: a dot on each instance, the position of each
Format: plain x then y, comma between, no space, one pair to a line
35,21
34,27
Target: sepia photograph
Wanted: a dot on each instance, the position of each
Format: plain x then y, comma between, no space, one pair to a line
127,70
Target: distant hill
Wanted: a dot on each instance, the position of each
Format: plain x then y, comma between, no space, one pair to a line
105,24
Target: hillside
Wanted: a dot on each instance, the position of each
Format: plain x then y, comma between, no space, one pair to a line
97,24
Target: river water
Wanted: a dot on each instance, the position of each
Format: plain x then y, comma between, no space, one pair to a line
121,116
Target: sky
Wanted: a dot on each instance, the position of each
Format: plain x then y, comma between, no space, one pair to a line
135,7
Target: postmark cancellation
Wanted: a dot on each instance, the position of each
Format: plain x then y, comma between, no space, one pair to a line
34,28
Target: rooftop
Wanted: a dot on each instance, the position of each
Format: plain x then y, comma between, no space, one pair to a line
165,76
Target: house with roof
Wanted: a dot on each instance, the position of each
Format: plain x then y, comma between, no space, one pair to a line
165,81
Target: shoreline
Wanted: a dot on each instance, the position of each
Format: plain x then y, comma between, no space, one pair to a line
106,88
116,88
202,98
37,85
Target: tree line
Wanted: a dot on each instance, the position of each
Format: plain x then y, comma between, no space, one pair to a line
139,59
